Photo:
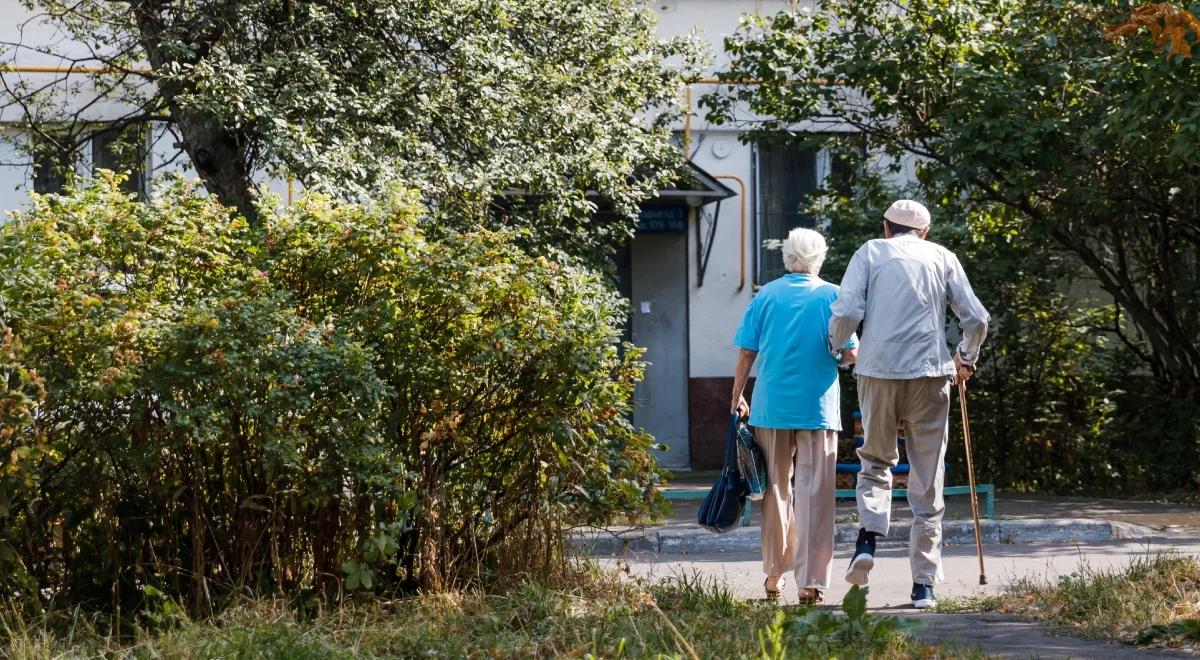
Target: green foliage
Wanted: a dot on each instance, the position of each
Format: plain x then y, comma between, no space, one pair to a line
1020,111
1176,633
771,644
822,633
1005,112
330,400
1043,409
546,102
695,593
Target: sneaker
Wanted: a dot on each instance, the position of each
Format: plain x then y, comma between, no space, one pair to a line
922,596
863,560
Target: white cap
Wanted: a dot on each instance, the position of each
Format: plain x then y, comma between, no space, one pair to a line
908,213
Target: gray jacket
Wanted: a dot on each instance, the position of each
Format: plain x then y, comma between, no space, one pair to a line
899,288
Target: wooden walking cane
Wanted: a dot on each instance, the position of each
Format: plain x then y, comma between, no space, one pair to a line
962,400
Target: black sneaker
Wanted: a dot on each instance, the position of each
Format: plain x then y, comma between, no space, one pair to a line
922,596
863,560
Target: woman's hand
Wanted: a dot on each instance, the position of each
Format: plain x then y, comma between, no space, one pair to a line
740,406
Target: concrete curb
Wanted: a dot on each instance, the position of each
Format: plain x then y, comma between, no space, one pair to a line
685,540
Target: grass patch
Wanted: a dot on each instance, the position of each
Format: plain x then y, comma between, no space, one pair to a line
1152,601
600,615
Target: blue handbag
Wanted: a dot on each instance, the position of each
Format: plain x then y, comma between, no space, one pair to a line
722,509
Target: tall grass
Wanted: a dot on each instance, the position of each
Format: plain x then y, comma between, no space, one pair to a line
599,615
1153,600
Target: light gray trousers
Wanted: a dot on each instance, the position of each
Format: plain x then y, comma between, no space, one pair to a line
922,406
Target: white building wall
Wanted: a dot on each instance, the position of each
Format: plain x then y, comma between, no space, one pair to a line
15,178
715,308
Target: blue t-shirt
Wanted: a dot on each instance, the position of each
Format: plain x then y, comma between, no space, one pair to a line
787,323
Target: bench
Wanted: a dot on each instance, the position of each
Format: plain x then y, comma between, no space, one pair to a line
988,491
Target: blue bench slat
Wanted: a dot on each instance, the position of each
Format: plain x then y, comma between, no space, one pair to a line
988,491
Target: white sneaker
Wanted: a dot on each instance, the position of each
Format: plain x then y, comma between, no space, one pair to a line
860,568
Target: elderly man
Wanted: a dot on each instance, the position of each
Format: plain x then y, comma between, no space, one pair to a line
898,287
796,414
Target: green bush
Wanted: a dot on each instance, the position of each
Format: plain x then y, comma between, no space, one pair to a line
330,402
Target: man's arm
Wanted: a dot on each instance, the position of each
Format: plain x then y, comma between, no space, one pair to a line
740,375
850,307
972,317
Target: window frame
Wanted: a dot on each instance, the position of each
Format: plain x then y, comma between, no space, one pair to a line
823,169
106,135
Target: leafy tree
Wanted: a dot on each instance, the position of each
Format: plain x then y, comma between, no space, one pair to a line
1081,137
461,99
1044,405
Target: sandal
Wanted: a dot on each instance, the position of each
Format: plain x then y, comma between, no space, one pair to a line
811,596
773,595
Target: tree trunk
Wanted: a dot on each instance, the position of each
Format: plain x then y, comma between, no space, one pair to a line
1175,357
218,153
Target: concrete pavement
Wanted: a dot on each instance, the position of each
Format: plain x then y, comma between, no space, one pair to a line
891,580
694,540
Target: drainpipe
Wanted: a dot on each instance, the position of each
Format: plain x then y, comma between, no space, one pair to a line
742,250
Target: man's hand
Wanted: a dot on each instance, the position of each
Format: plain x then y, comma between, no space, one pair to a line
740,406
964,371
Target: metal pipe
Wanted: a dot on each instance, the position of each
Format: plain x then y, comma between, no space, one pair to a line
68,69
713,80
742,249
687,124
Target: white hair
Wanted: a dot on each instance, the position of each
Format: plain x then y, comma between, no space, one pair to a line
803,248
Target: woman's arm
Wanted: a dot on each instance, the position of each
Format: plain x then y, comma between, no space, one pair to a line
740,375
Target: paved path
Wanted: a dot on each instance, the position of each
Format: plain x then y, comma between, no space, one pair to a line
1005,637
891,583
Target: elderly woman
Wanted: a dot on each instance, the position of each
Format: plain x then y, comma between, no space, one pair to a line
796,414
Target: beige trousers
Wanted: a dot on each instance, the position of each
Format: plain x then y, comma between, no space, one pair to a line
797,521
922,406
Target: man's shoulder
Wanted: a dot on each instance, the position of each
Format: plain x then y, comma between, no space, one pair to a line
945,254
938,247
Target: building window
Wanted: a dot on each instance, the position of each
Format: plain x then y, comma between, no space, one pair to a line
786,174
122,150
50,169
